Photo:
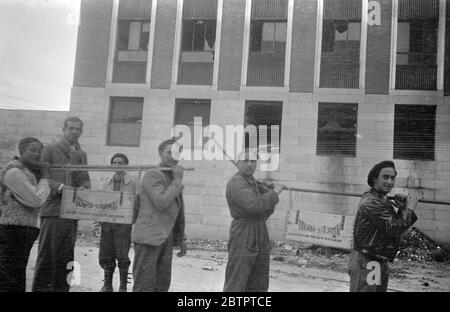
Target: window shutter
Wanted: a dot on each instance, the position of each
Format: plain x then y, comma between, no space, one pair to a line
418,9
200,9
342,9
269,9
135,9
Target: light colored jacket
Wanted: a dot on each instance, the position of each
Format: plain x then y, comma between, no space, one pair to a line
23,196
128,184
161,210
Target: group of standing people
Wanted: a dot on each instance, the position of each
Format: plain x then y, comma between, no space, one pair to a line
29,189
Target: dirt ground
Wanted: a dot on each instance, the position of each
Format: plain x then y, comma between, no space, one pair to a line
297,268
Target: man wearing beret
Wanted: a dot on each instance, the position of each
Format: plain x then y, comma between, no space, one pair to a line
379,225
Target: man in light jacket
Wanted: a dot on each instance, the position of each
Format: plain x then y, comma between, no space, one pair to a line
160,223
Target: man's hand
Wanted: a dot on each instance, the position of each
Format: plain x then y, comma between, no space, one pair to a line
177,172
183,249
278,188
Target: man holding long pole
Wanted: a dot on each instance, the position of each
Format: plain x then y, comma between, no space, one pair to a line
250,204
57,237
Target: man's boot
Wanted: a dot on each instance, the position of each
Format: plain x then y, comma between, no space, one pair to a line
123,280
107,282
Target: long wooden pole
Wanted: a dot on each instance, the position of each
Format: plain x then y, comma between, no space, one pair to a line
110,168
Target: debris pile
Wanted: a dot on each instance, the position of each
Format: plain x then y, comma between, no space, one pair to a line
207,244
416,246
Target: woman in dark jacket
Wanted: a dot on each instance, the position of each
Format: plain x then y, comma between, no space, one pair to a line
24,188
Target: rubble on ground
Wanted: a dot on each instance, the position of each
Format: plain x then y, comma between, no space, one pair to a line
208,244
416,246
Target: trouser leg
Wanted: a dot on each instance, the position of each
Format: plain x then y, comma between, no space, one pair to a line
106,249
239,267
55,254
258,280
122,243
367,275
15,245
45,261
66,253
152,267
164,266
144,267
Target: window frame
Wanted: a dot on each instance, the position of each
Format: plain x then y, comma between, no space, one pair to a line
182,101
423,142
323,152
110,119
264,21
249,103
141,34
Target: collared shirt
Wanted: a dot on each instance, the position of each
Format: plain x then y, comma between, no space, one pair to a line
128,184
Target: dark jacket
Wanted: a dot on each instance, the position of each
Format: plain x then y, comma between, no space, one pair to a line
250,205
378,227
62,153
161,210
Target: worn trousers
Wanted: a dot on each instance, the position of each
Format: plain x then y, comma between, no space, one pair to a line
55,254
152,267
367,274
247,269
15,245
115,242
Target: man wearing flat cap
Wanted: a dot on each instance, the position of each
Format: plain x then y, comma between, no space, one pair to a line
379,225
250,203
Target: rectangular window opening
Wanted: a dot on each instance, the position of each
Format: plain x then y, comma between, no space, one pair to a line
265,116
337,129
185,112
125,121
414,132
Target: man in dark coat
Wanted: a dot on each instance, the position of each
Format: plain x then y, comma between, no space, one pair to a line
379,224
250,204
57,237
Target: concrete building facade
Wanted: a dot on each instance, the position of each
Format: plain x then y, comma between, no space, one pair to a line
347,88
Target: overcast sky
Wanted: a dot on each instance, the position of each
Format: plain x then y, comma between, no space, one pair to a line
37,53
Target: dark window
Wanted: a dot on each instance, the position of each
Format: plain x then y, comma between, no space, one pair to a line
336,129
199,35
268,36
341,40
133,35
414,131
263,113
341,36
185,112
133,31
417,35
125,121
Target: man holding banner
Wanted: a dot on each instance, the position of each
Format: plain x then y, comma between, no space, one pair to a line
57,237
250,204
115,238
379,224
